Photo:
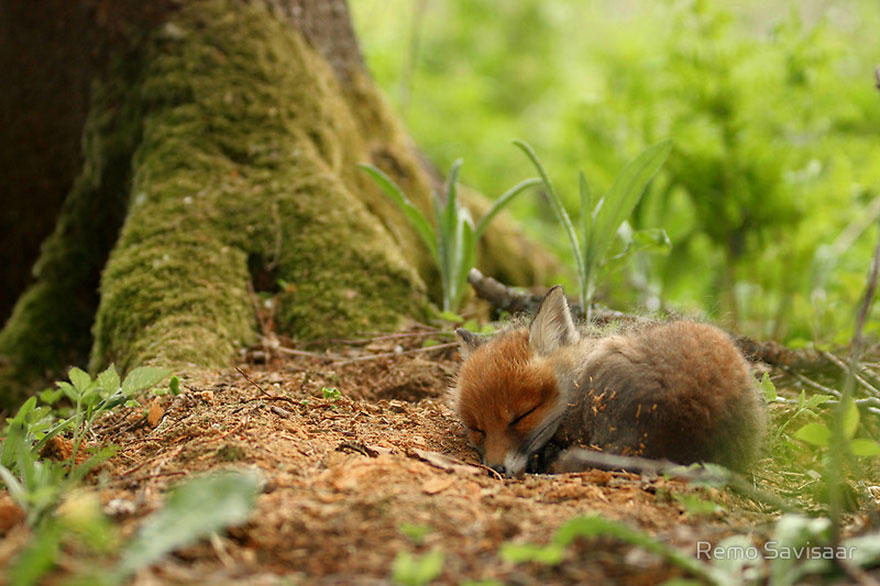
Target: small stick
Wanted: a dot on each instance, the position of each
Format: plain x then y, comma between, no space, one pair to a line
319,356
392,354
252,381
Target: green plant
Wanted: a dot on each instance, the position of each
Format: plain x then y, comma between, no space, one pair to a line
799,546
452,243
412,570
37,484
600,221
595,526
331,394
193,510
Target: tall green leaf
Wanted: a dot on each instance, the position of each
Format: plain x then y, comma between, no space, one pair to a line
620,201
418,221
555,203
502,201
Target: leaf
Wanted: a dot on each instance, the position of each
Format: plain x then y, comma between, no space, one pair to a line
621,199
415,217
468,256
108,380
69,391
864,447
416,533
768,388
193,510
558,208
850,421
80,379
142,378
450,210
26,408
551,554
13,486
814,401
816,434
652,240
411,570
450,316
38,557
15,440
174,385
50,396
594,526
586,200
501,202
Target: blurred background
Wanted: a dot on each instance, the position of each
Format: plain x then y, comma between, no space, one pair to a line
770,196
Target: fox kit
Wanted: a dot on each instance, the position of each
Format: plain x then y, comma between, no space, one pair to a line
679,391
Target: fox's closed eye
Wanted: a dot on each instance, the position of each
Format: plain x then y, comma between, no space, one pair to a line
519,418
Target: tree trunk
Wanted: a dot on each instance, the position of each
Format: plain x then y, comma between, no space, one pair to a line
219,172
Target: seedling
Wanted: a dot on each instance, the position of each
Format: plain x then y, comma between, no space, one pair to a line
452,243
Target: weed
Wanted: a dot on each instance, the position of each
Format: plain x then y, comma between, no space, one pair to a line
453,243
38,484
601,221
332,394
412,570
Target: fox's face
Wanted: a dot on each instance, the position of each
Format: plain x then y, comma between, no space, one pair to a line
507,393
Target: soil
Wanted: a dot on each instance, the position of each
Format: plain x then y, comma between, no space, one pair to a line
347,477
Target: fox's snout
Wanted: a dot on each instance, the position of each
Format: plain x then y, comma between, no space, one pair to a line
498,455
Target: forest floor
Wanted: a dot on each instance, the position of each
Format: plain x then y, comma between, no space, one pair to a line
354,479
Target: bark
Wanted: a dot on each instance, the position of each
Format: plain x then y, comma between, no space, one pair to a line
219,173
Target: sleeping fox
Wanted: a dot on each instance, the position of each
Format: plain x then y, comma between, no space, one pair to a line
679,391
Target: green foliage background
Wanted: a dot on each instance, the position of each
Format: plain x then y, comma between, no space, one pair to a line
770,195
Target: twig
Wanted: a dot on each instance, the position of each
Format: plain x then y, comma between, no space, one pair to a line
815,385
847,370
252,381
392,354
319,356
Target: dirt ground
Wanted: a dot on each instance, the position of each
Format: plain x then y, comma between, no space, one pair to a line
347,477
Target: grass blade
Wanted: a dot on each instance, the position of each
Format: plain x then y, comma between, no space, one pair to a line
585,278
626,191
555,203
418,221
501,202
468,255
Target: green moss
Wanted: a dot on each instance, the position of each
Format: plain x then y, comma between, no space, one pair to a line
243,145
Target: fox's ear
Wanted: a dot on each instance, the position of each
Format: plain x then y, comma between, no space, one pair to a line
552,327
467,342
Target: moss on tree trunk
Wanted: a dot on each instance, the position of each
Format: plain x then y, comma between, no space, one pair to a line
220,157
